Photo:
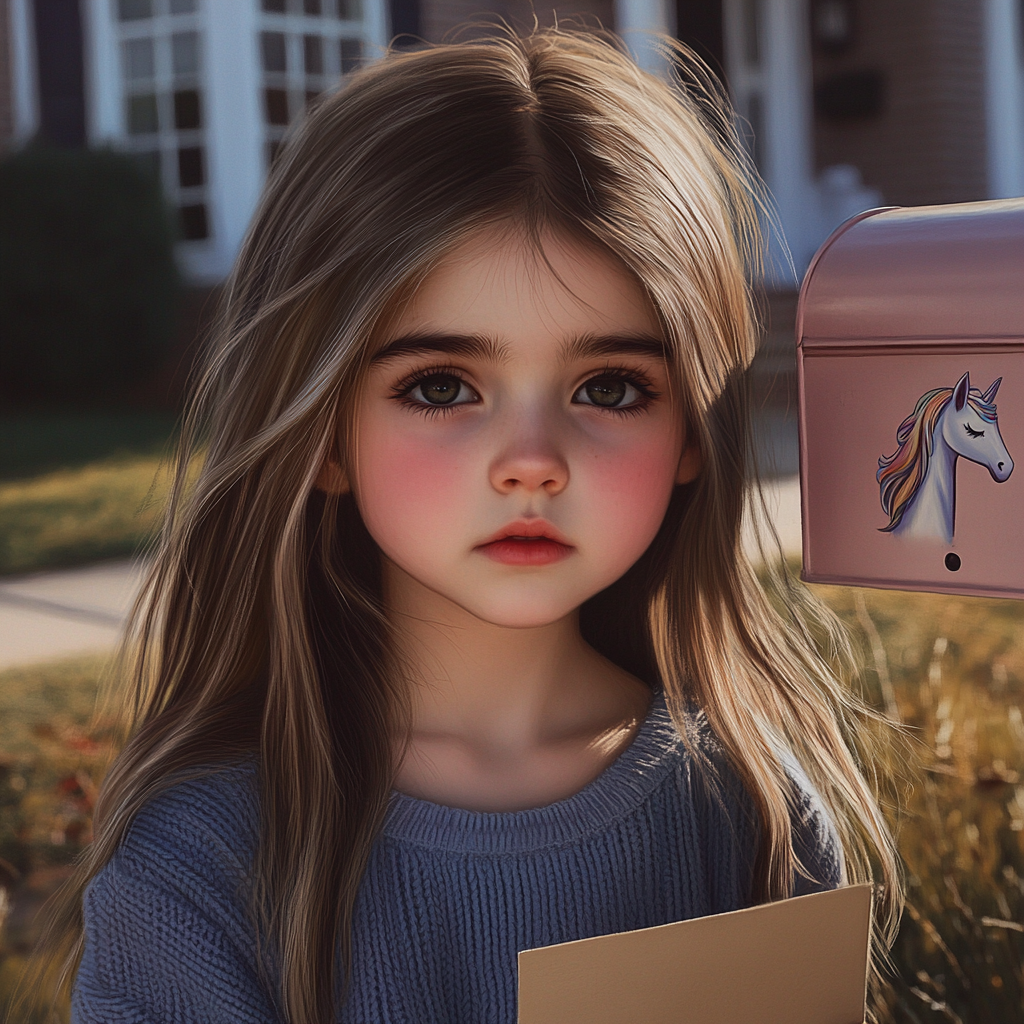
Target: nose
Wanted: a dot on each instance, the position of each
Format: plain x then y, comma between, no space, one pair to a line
532,462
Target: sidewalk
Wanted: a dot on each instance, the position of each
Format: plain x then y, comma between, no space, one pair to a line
50,615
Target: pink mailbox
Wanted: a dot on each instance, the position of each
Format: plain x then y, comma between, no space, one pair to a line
910,361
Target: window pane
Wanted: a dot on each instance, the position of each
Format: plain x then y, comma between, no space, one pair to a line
138,59
311,97
186,109
313,51
192,219
149,161
277,106
351,54
185,53
142,117
273,51
350,10
190,167
274,6
183,6
312,6
133,10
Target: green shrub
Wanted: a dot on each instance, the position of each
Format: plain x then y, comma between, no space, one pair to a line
88,284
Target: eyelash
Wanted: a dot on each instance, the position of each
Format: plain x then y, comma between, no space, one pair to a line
401,391
631,375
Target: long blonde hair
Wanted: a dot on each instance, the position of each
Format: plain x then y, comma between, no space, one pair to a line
261,628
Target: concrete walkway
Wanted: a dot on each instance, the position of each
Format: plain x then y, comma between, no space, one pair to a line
50,615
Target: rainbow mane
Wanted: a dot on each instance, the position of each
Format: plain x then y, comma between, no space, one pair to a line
900,474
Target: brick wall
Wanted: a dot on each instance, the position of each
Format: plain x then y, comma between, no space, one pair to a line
442,16
928,143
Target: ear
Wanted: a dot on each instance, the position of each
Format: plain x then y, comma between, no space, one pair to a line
992,389
691,462
332,478
961,391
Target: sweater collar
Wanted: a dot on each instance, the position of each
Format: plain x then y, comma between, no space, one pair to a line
622,787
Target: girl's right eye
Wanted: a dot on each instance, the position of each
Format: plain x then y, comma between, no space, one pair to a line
439,390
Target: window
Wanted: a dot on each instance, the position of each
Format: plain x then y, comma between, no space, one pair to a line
185,53
313,54
143,118
351,54
186,109
138,59
134,10
305,46
192,220
190,167
275,57
162,78
276,101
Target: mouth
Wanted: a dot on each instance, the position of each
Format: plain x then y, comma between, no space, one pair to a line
527,542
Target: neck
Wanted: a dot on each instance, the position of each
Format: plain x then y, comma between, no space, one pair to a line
490,704
932,511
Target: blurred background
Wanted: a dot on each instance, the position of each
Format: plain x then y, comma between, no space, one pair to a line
135,136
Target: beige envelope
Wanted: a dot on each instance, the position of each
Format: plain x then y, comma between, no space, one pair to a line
798,961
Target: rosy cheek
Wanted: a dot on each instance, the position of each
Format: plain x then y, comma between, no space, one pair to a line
633,486
407,487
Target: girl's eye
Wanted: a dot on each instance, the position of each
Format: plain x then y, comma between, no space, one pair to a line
608,393
441,389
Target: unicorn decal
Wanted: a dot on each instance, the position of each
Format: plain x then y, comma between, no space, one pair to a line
918,481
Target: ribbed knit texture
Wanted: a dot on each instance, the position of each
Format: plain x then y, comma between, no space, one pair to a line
449,897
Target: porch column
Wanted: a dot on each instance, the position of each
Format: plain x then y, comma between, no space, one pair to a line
636,21
1004,100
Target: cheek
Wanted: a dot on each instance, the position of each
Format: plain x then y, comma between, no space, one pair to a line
406,489
628,494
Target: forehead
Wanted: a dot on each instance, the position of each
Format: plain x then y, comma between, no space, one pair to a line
502,285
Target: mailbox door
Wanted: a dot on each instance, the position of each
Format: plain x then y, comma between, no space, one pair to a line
906,481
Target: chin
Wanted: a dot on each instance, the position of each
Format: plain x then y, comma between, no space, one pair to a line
527,612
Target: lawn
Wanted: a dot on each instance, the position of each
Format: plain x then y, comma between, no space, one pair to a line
954,672
77,488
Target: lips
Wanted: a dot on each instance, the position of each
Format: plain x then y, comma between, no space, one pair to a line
527,542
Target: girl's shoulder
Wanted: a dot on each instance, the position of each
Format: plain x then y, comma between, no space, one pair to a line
199,834
168,934
722,797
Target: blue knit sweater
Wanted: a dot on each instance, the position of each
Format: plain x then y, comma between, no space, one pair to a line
449,896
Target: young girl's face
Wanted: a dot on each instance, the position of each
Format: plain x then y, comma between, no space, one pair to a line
516,441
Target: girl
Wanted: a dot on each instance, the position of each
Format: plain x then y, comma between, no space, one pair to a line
451,648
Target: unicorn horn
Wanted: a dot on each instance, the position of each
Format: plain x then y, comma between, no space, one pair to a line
992,389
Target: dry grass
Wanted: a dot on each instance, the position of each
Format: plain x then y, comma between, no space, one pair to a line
955,672
70,517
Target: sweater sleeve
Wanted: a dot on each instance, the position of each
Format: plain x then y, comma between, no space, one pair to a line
167,936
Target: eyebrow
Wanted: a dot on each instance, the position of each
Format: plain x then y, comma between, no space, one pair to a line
590,345
477,346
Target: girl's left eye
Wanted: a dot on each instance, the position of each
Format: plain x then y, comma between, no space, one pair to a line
610,393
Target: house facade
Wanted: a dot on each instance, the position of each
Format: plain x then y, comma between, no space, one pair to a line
845,104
